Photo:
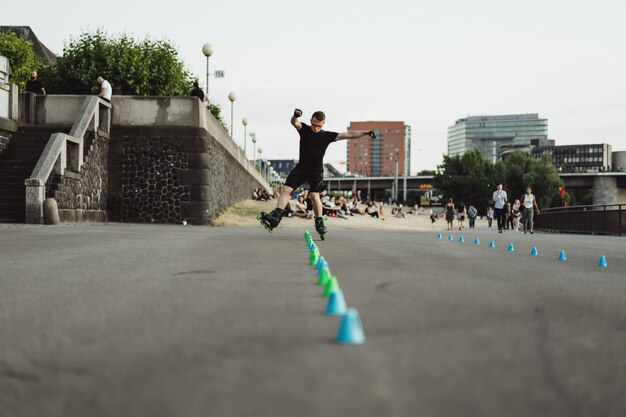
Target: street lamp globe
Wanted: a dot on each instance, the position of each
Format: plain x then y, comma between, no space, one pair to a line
244,121
207,50
232,96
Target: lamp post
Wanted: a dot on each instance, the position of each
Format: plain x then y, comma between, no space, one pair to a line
245,126
207,50
253,148
260,159
232,96
396,187
268,165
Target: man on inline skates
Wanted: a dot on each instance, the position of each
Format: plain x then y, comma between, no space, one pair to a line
313,144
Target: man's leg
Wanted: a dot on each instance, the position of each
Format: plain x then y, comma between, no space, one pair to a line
317,204
285,196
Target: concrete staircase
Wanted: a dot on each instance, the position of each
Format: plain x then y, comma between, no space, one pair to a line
17,161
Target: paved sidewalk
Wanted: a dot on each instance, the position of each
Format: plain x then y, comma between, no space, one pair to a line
146,320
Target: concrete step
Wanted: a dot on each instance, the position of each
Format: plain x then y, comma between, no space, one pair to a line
12,199
12,188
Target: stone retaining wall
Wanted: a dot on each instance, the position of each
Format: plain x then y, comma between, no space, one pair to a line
172,174
86,191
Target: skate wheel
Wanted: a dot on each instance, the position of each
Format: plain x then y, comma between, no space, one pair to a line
323,237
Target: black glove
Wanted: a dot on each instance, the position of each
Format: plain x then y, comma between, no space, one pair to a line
297,113
372,134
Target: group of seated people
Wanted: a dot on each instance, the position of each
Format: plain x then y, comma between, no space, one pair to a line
261,194
337,206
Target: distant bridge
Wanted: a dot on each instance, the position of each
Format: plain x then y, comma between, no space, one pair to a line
608,187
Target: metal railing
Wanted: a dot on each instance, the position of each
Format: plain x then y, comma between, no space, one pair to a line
605,219
64,152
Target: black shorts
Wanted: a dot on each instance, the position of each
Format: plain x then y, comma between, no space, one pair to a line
315,178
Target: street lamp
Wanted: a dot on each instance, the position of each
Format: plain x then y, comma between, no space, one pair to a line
396,188
207,50
260,159
253,148
231,97
245,126
268,165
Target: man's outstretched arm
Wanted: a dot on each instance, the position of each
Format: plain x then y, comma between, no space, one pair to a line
294,119
356,134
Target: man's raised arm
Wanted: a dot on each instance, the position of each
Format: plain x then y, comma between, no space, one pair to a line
356,134
294,119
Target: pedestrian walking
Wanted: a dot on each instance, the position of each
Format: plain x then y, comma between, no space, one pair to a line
471,215
461,213
449,210
516,214
529,207
489,215
499,198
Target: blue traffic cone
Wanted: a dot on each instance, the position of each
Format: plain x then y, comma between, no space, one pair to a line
492,244
562,256
461,239
312,245
350,330
336,303
510,248
320,263
602,262
450,237
476,241
439,236
534,252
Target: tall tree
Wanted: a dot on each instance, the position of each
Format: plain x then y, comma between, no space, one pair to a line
148,67
21,57
465,178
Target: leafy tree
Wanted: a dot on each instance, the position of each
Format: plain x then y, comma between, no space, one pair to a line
427,172
472,179
148,67
545,181
21,57
465,178
520,170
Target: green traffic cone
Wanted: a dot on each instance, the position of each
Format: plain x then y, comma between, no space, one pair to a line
324,276
315,253
331,286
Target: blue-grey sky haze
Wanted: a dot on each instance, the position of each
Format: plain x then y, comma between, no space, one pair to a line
426,63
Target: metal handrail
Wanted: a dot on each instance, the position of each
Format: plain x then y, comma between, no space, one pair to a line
606,219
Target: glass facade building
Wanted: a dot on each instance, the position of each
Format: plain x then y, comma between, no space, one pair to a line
492,135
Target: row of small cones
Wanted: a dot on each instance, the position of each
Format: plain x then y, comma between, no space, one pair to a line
562,257
350,330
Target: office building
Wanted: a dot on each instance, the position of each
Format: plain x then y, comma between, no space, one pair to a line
578,158
378,157
494,136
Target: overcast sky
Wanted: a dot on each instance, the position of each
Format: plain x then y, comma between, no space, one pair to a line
425,63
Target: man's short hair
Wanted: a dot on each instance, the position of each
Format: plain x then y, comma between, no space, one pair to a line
319,115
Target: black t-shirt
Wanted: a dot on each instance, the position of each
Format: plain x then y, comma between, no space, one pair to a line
197,92
34,86
313,146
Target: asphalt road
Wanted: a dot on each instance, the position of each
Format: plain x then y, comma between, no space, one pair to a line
143,320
